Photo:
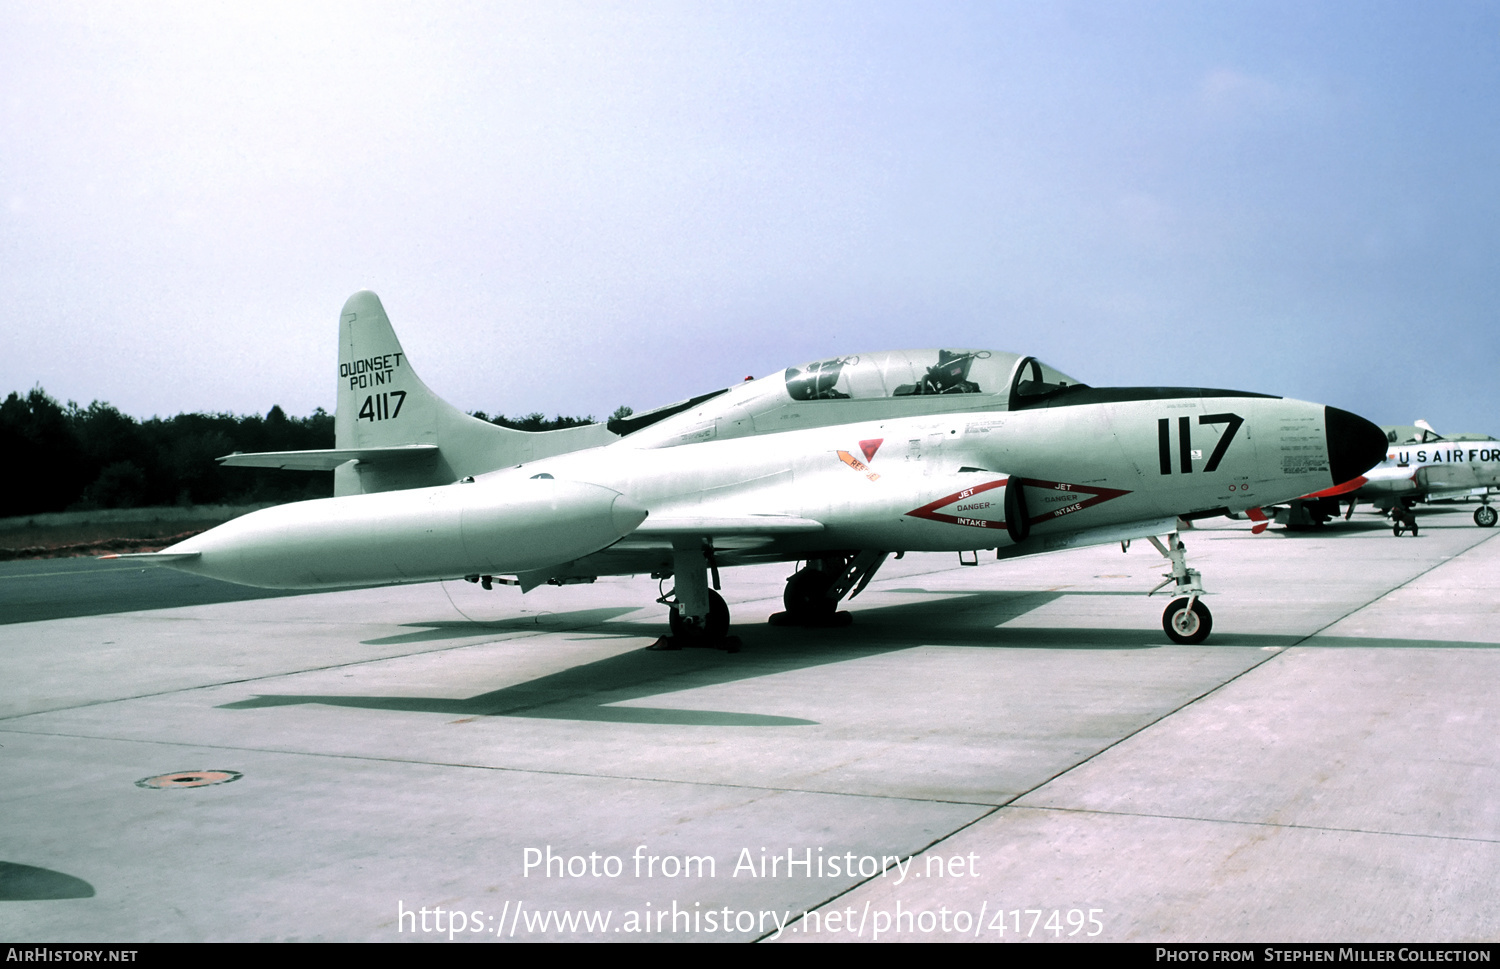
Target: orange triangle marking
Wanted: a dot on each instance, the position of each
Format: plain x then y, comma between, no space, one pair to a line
871,446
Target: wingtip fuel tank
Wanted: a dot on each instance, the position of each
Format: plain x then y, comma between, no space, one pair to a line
412,536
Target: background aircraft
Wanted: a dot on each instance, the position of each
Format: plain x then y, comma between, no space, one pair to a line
1420,465
836,464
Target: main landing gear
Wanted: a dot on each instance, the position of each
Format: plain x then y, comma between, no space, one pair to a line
699,616
1485,516
710,628
1187,620
813,592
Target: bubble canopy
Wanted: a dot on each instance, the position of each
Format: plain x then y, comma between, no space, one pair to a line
866,386
923,373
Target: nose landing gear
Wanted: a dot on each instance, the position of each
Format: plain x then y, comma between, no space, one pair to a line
1187,620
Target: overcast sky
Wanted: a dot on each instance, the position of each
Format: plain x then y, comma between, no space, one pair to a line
568,207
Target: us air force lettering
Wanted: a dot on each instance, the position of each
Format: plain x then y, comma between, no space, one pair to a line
835,464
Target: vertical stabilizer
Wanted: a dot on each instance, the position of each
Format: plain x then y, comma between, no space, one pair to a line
382,403
381,400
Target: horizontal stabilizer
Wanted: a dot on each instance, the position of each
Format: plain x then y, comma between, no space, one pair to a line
327,459
150,558
727,525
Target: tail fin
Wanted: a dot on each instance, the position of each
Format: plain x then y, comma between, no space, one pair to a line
382,404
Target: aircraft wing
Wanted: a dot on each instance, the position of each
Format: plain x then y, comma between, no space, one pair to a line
149,558
710,525
725,531
1103,535
326,459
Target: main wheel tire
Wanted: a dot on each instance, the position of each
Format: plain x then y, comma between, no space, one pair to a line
806,594
1485,516
715,625
1397,529
1184,626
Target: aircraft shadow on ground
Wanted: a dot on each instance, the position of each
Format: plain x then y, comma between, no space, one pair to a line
467,629
1333,529
1336,528
592,691
73,588
26,883
1446,519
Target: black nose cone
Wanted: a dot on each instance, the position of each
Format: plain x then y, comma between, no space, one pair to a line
1354,444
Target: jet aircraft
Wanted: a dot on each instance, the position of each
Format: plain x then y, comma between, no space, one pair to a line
1420,465
835,464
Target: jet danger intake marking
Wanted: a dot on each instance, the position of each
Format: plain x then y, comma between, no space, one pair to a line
1057,499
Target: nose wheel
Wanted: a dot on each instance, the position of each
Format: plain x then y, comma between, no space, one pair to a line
1485,516
1187,622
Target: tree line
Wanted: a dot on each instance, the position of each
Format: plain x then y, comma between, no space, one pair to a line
66,457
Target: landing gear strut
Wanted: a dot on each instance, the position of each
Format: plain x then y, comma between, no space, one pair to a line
813,592
1187,620
699,615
